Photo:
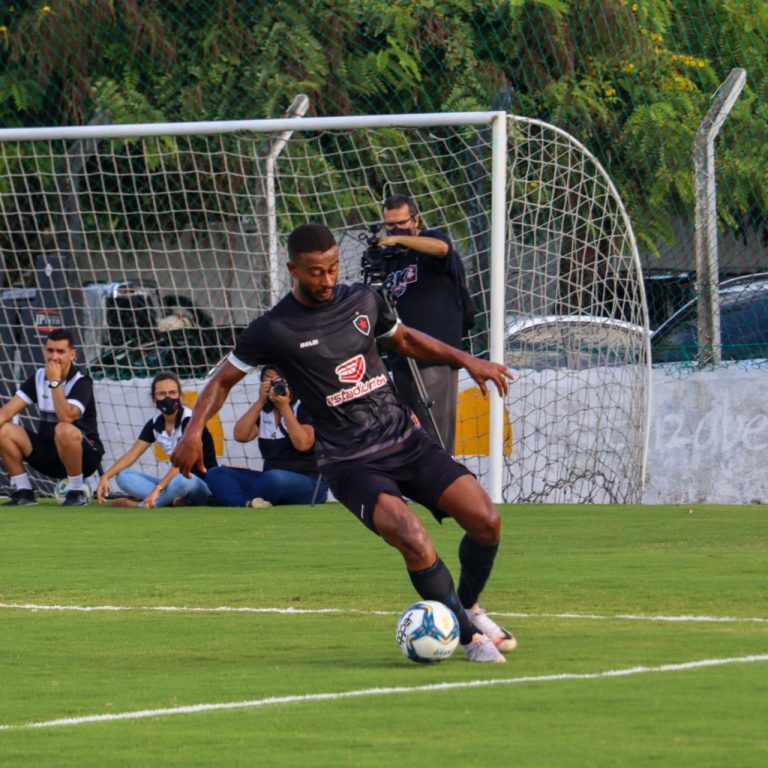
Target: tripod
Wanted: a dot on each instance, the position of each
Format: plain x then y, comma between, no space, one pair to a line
413,369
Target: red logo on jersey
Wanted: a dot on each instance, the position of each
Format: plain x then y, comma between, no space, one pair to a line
362,324
351,370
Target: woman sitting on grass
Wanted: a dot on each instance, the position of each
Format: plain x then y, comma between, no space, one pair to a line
286,443
172,489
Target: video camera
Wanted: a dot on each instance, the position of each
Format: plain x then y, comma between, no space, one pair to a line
374,257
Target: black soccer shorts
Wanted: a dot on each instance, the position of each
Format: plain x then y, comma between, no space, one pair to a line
45,459
419,470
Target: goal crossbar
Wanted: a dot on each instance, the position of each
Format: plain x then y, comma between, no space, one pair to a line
202,128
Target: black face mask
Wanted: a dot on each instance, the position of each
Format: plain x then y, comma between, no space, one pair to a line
168,405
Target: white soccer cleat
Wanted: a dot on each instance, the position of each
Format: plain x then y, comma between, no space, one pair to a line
503,639
258,503
482,649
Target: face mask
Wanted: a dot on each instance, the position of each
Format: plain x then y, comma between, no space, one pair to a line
168,405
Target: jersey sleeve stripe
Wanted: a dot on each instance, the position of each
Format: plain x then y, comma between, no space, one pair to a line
239,364
77,404
390,332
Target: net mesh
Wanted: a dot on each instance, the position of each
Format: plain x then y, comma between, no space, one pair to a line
576,328
158,250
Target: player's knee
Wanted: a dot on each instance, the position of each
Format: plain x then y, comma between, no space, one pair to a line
486,527
64,431
11,439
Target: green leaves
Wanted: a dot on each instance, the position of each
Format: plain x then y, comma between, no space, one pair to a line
630,79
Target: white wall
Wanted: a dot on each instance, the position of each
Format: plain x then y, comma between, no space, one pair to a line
708,437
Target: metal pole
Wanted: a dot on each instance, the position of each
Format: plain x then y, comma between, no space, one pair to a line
298,109
498,296
132,130
707,266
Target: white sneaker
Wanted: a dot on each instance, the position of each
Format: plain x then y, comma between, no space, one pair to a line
258,503
483,650
503,639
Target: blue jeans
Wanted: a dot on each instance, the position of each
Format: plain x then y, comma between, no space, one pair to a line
139,486
234,486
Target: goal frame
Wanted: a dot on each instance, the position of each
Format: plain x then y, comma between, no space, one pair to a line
500,233
497,120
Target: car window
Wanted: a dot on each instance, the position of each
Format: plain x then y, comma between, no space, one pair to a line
678,342
743,331
565,343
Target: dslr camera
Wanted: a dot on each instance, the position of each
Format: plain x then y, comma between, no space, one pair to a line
279,387
373,261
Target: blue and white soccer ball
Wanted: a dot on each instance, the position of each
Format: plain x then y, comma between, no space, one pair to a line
427,631
61,488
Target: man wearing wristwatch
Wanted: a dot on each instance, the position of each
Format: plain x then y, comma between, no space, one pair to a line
67,442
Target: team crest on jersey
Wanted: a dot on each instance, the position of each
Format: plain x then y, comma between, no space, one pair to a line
352,370
363,324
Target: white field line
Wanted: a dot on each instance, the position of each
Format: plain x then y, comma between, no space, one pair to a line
359,612
313,697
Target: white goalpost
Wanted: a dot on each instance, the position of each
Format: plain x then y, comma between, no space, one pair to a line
157,244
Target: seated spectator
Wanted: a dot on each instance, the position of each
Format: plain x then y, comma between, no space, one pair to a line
286,443
172,489
67,442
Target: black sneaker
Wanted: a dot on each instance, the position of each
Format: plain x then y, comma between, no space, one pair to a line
74,499
23,498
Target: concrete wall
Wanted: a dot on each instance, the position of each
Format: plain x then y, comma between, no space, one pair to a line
708,437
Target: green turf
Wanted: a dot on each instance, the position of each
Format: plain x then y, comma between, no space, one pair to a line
594,561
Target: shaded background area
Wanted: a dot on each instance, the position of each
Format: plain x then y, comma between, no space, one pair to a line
629,80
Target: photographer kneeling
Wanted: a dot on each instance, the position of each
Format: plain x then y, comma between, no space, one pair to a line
286,443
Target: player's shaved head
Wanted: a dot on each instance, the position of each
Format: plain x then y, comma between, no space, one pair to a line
310,238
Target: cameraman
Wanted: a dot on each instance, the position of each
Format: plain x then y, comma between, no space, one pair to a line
423,281
286,443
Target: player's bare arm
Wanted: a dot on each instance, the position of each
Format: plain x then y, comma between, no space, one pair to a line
430,246
411,343
188,454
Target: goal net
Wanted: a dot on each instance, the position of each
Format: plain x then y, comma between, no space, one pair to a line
576,326
157,244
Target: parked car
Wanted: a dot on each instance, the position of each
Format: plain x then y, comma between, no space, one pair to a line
572,341
743,324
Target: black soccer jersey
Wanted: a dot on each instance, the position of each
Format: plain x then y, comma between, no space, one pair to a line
328,354
78,389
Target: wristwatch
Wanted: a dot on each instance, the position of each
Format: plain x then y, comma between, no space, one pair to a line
54,383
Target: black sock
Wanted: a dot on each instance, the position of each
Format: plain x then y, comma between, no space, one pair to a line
476,565
436,583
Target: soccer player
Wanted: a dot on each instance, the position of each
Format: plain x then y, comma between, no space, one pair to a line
371,453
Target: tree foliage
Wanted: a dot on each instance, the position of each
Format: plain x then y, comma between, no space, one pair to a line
631,80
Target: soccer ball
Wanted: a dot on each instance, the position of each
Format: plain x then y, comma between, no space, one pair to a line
61,488
427,631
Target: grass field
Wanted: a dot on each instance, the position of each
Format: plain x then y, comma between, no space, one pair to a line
228,637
